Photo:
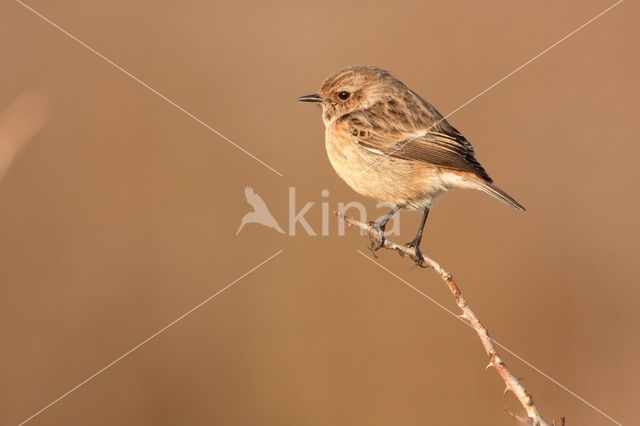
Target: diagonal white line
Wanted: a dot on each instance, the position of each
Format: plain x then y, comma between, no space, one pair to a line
581,27
453,314
145,85
136,347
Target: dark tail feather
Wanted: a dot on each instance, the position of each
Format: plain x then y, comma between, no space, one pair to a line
494,191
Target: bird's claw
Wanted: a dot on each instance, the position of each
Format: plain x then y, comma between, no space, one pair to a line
418,259
376,242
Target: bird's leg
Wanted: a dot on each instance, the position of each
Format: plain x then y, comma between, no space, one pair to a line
379,225
415,244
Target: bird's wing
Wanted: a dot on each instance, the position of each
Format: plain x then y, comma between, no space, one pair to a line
442,145
253,199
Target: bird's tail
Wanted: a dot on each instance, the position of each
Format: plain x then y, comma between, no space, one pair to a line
498,193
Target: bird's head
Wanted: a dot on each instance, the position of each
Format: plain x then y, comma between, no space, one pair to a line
352,89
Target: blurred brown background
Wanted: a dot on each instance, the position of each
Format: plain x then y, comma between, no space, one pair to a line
120,215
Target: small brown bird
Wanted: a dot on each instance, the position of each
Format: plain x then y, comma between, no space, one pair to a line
388,143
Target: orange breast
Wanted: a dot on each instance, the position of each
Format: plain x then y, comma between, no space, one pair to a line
380,177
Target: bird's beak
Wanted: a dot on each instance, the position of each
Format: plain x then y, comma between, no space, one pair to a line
310,98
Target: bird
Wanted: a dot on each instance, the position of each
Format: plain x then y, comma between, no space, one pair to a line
260,213
388,143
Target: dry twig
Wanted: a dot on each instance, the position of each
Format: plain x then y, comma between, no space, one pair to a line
511,382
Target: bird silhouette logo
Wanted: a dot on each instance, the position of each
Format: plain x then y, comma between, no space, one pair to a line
260,213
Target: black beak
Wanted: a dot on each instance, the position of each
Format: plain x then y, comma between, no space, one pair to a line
310,98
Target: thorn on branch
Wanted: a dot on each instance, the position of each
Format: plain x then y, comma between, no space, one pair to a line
520,419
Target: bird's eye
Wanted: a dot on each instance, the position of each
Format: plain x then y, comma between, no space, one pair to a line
343,96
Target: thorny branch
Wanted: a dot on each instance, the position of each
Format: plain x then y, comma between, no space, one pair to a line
511,382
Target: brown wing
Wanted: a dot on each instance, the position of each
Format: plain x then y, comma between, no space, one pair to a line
445,147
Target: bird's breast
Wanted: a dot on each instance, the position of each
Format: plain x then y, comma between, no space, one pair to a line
380,176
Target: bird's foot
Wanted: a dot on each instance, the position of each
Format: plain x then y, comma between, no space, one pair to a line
376,241
418,258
